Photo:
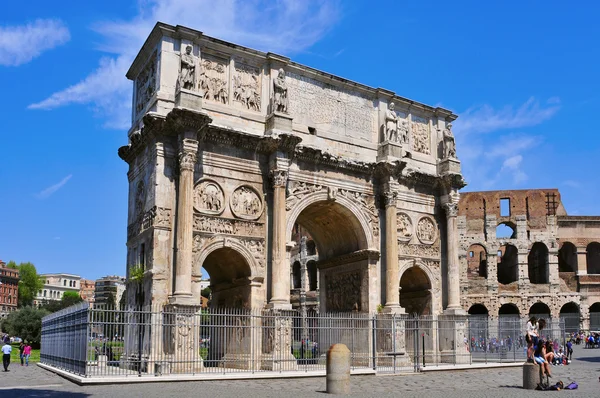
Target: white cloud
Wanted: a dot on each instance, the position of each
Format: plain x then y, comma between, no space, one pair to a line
485,119
512,144
21,43
512,163
285,26
53,188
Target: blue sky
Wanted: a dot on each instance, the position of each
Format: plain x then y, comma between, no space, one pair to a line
522,77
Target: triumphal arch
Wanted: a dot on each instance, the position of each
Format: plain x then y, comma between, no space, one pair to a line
230,148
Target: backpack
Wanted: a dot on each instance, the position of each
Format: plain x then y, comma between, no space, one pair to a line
571,386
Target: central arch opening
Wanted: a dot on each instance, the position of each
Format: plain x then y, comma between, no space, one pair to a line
229,279
325,232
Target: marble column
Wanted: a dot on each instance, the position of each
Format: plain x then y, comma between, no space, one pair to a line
280,270
392,285
188,150
452,257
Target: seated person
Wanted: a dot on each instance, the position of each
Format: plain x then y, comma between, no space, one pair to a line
539,357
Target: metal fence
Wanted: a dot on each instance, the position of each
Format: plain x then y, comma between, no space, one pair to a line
150,342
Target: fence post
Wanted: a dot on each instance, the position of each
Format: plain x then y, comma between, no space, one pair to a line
374,341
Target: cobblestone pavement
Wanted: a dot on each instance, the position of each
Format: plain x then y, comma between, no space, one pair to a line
33,381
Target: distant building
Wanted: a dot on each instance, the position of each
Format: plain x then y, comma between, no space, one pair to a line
108,285
9,288
204,283
55,285
87,291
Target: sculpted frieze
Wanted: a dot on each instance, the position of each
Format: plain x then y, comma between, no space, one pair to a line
297,190
419,250
226,226
246,87
405,227
213,79
327,104
426,230
420,135
343,291
246,203
157,217
140,198
209,197
367,203
145,85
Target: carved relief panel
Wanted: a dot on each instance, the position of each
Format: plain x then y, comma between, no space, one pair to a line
343,291
426,230
405,227
420,135
209,197
214,78
246,203
247,87
145,85
140,198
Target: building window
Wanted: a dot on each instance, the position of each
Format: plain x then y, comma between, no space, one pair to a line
44,293
65,282
505,207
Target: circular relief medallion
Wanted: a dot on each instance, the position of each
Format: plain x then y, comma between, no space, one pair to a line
405,227
208,197
245,203
426,230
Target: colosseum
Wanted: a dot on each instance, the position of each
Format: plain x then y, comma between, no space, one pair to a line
521,254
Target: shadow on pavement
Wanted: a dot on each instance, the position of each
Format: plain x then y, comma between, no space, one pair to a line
517,387
588,359
40,393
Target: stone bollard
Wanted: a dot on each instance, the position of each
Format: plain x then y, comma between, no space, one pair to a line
338,369
531,376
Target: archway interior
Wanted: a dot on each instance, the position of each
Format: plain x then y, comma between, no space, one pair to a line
335,229
415,292
478,309
537,264
508,264
509,321
229,278
477,262
567,258
593,258
569,313
540,310
595,316
296,275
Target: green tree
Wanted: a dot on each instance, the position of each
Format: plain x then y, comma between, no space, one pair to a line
205,292
30,283
12,264
25,323
70,298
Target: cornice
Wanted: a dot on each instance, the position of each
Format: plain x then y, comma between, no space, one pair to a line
319,156
153,125
365,254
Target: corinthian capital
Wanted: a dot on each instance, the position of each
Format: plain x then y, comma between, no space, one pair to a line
389,198
451,209
187,160
278,178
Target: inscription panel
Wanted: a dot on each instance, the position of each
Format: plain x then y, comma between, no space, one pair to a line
325,104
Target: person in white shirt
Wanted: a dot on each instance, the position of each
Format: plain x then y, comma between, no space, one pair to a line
6,349
531,336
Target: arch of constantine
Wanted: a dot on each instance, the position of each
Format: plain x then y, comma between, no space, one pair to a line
231,150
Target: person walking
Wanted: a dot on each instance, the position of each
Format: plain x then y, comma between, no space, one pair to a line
27,353
21,348
6,350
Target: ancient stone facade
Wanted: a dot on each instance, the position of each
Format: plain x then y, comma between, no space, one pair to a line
230,148
521,254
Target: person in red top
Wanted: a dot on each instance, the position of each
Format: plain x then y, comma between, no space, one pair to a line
27,353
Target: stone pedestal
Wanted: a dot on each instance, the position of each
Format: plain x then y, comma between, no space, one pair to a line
531,376
454,340
448,166
277,346
278,122
338,369
187,99
182,334
390,151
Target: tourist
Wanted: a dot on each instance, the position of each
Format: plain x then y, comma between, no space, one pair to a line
570,350
27,353
21,348
540,358
531,337
6,350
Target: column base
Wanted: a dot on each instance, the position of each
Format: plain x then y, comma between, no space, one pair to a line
180,299
455,311
279,305
394,309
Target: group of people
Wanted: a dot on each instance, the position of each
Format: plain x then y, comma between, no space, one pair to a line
24,353
544,352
